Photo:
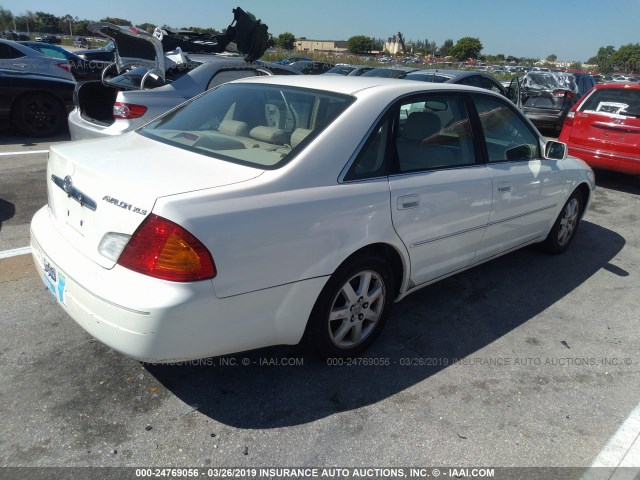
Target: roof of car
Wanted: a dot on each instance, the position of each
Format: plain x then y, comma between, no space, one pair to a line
630,85
352,85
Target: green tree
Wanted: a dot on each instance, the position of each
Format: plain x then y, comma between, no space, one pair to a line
604,58
6,19
466,47
116,21
627,58
552,58
147,27
360,44
46,22
445,48
286,41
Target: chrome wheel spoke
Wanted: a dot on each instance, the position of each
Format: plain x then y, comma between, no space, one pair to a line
356,333
365,281
349,294
342,331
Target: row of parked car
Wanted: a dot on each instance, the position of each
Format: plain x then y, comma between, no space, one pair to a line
599,122
119,90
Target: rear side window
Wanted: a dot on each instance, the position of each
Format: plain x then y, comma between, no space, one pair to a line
434,132
507,136
613,101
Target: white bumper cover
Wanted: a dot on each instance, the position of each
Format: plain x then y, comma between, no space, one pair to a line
159,321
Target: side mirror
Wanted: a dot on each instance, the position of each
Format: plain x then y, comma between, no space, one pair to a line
555,150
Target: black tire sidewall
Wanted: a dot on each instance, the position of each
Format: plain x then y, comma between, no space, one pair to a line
19,111
317,334
551,243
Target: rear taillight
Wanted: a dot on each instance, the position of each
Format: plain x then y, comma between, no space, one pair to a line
128,110
163,249
64,66
568,121
563,93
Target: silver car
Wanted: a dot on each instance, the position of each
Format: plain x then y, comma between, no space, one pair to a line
145,82
15,56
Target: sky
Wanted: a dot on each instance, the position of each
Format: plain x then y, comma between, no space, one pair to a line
571,29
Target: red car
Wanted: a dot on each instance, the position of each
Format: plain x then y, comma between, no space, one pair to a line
603,128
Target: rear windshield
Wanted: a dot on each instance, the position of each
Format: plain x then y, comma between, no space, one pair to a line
614,101
258,125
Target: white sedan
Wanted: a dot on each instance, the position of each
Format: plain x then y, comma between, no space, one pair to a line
276,208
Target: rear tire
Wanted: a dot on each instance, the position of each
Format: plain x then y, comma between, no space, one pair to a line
565,227
352,308
38,115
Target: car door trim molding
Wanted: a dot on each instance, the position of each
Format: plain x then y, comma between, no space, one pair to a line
449,235
497,222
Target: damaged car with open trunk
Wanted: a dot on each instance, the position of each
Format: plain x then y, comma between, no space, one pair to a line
152,74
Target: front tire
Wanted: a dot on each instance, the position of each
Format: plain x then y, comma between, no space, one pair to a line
565,227
352,308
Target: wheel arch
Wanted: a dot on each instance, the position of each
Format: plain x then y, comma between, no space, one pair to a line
397,262
586,193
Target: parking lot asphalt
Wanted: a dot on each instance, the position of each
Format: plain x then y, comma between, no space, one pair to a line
529,360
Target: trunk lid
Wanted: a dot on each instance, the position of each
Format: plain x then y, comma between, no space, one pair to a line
134,48
548,90
111,185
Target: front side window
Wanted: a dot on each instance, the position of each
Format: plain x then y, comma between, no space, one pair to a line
258,125
434,132
507,136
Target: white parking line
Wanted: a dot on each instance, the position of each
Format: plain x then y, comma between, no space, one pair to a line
622,451
23,152
15,252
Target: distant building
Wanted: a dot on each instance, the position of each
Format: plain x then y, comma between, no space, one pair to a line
321,46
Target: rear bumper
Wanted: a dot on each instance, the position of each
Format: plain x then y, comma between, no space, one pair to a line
544,118
159,321
607,160
81,129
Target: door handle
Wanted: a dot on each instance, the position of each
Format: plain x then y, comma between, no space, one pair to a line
504,187
408,201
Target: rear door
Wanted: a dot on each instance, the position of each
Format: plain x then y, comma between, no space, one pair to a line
440,192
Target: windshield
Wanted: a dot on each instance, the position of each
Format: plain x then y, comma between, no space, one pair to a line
386,73
258,125
341,70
